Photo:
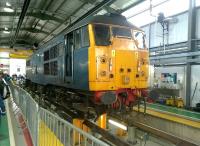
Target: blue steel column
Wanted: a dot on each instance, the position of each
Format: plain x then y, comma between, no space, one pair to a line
191,47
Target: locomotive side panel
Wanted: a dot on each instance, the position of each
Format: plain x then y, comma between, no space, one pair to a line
76,58
81,68
52,65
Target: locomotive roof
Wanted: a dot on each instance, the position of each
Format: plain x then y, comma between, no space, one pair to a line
112,19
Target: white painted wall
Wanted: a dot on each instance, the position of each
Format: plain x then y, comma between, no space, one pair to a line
17,66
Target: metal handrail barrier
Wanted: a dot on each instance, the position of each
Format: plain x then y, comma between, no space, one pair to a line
29,109
65,131
48,129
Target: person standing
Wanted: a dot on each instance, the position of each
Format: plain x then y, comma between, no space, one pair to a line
3,84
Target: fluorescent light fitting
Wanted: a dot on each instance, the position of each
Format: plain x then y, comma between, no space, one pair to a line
8,4
7,9
117,124
5,31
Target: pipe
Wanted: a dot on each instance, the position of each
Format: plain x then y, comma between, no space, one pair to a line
21,18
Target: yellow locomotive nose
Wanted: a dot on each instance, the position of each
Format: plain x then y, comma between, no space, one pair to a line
125,80
125,67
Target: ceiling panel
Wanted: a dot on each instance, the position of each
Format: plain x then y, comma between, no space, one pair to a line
46,18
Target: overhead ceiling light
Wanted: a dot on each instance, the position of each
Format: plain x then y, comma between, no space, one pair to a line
8,4
6,28
5,31
7,9
117,124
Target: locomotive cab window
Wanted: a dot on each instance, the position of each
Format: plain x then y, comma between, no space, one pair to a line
121,32
102,35
140,40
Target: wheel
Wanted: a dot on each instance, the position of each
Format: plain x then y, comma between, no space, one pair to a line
117,105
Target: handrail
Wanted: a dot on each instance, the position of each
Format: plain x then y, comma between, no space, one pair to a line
33,116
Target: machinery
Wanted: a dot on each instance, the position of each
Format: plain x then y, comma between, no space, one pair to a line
103,57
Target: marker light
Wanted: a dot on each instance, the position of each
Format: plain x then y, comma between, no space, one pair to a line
7,9
8,4
117,124
5,31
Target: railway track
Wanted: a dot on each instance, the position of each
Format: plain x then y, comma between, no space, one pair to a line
139,120
69,112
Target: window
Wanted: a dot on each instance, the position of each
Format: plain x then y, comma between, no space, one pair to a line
46,55
51,53
46,69
54,68
141,11
102,35
140,40
121,32
85,36
54,52
78,39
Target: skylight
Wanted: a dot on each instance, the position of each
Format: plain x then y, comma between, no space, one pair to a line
140,15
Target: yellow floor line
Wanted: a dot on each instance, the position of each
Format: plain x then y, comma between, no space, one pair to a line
171,117
47,137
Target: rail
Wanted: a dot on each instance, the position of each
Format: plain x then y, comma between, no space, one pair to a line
47,128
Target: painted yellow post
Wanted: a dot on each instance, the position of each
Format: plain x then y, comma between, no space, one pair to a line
79,124
102,121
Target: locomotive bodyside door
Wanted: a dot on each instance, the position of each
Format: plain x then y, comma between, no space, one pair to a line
69,48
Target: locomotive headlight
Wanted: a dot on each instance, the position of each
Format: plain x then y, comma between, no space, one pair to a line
142,73
125,80
103,73
103,60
